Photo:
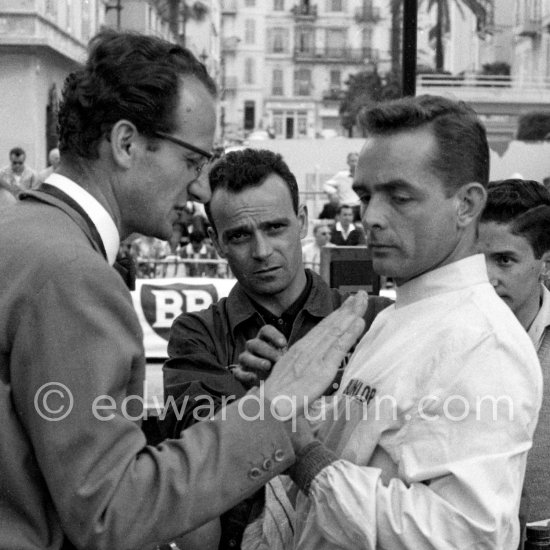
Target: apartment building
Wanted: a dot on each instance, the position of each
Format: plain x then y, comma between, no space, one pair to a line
41,41
531,60
285,62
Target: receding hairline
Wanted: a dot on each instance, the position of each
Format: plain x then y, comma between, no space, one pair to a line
249,186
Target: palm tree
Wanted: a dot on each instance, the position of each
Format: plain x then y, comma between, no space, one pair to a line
188,10
480,8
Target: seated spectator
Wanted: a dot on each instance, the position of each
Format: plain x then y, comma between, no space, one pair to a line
311,252
330,208
199,249
345,232
514,235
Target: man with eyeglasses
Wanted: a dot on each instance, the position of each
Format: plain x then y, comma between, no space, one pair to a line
136,129
17,174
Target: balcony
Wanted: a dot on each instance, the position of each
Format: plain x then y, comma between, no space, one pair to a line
31,29
335,55
529,27
304,12
230,83
367,15
334,94
486,89
229,7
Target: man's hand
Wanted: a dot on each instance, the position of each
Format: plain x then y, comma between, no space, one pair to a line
261,354
303,373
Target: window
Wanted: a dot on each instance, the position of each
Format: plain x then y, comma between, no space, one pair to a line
335,5
335,80
249,115
277,82
304,40
86,28
250,3
302,123
250,31
336,42
278,5
302,82
278,40
249,71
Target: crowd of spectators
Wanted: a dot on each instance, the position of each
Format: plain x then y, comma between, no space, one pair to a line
188,253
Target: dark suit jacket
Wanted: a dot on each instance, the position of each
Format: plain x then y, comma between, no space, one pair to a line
355,238
68,327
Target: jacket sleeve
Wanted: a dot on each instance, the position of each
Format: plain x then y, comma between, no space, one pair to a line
77,350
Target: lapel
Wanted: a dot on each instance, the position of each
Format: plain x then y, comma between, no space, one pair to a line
62,201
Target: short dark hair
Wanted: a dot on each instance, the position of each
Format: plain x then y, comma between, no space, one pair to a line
463,151
127,76
344,207
17,152
525,205
239,170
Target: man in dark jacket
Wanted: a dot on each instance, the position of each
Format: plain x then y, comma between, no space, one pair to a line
345,232
257,225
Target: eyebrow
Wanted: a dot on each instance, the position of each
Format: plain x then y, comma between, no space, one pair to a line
247,228
391,185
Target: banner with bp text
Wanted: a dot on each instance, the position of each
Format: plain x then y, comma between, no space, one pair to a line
159,301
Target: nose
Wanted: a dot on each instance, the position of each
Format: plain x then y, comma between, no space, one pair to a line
372,214
262,247
199,189
492,274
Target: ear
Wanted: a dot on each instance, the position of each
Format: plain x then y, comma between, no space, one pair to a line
214,238
470,202
545,268
302,219
124,137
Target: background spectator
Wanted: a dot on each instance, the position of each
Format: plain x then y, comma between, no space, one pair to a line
341,185
514,235
6,195
330,208
53,159
311,252
147,251
199,249
17,174
345,233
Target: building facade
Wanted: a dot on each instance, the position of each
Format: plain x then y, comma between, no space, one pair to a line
285,62
42,41
532,40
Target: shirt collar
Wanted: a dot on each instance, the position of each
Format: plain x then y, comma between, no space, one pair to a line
340,228
100,217
448,278
318,303
541,321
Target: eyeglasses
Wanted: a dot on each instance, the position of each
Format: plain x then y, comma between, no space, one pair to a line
198,166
